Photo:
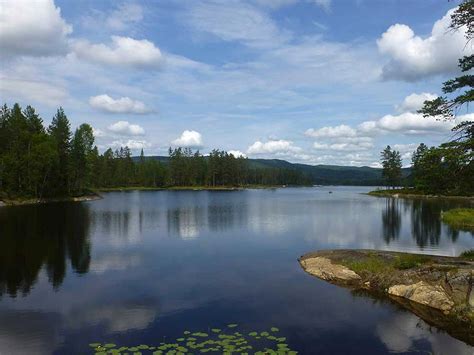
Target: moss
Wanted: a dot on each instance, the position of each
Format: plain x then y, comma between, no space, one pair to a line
462,218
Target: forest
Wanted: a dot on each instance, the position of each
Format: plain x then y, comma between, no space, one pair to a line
44,162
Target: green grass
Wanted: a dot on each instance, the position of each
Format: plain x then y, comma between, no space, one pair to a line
409,261
459,218
468,254
378,265
372,264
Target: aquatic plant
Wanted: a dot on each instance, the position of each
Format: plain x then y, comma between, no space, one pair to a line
217,342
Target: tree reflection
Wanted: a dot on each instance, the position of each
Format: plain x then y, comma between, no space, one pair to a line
391,220
426,222
42,237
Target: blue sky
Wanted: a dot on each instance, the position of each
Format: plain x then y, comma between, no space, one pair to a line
311,81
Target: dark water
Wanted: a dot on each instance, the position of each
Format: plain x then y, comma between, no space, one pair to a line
140,267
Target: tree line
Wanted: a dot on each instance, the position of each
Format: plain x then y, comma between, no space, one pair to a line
38,161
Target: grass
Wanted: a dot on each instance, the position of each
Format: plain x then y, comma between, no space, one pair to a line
409,261
468,254
459,218
378,265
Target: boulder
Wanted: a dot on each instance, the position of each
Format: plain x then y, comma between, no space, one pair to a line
424,293
326,270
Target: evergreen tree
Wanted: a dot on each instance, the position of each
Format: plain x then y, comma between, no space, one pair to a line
392,166
60,132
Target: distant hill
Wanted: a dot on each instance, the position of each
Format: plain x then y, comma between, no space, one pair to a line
320,174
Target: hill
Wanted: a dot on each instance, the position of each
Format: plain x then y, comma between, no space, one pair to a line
320,174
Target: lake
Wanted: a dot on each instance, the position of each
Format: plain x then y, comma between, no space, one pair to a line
142,267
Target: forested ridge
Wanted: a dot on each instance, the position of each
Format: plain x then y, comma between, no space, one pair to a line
44,162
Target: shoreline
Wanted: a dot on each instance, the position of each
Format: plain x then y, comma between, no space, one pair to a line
37,201
438,289
398,193
96,195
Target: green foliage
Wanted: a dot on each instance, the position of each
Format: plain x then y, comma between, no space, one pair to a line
468,254
375,264
447,169
235,343
38,163
459,218
409,261
392,166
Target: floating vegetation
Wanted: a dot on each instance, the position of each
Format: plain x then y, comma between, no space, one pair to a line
218,342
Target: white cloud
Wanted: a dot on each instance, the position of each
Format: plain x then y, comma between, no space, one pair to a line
33,28
237,153
188,139
350,147
34,90
414,102
122,105
98,132
413,57
331,132
406,123
124,128
273,146
124,51
233,21
131,143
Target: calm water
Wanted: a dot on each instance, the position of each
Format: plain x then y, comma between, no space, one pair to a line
140,267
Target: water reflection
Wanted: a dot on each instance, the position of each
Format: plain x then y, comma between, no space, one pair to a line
36,237
424,218
391,219
158,263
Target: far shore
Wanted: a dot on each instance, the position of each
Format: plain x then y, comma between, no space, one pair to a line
414,194
96,194
34,201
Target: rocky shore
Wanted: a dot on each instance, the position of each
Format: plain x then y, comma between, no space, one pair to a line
436,288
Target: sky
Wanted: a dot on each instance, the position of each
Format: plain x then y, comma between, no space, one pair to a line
308,81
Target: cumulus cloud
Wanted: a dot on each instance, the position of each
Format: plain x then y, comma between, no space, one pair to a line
122,105
237,153
124,128
414,102
188,139
33,28
331,132
413,57
406,123
273,146
123,51
131,143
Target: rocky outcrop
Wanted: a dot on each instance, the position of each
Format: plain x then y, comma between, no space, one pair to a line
438,289
423,293
326,270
